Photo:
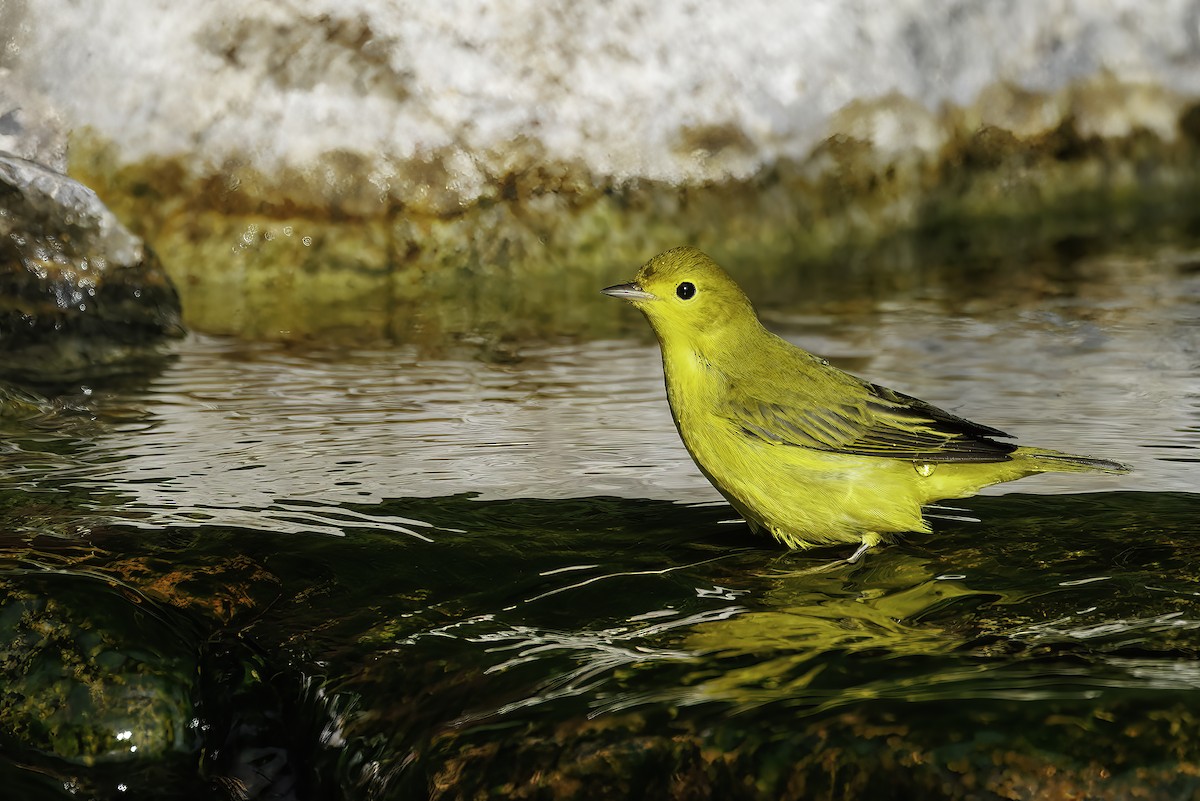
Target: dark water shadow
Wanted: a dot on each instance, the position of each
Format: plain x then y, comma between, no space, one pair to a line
599,642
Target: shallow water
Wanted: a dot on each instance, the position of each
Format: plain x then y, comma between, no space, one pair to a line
390,573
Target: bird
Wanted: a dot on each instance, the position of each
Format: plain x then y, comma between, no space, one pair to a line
806,452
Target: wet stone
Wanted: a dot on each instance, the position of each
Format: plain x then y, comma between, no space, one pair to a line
80,295
94,672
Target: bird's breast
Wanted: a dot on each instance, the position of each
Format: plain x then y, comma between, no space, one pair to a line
693,384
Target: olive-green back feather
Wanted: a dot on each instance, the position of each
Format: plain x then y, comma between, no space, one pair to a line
792,407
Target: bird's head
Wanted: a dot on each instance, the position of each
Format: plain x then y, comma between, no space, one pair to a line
685,294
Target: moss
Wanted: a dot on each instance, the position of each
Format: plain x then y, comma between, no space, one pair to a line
90,677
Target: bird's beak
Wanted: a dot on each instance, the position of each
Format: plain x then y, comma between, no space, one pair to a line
630,291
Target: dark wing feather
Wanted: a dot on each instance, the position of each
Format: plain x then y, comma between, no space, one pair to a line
870,421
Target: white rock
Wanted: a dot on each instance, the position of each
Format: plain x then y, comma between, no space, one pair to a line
625,88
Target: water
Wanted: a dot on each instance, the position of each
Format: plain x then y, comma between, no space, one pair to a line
292,572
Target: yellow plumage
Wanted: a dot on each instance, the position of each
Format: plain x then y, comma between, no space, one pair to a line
811,454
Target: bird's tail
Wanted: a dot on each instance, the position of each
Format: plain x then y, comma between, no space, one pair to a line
1056,462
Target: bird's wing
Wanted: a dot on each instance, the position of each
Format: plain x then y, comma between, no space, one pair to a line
866,420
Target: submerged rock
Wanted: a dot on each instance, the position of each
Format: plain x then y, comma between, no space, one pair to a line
80,295
121,679
94,672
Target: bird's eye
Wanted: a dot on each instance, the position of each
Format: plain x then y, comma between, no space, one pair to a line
685,290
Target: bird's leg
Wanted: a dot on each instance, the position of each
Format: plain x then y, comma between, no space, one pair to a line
869,540
862,549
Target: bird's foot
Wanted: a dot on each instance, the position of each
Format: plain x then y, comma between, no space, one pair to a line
862,549
868,541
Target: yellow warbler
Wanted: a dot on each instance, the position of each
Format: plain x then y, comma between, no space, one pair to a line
811,454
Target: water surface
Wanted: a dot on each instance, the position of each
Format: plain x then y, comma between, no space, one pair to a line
394,572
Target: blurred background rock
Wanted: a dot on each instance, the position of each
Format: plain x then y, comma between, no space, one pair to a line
374,170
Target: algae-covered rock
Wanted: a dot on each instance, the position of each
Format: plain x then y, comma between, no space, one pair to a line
94,671
79,294
928,751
